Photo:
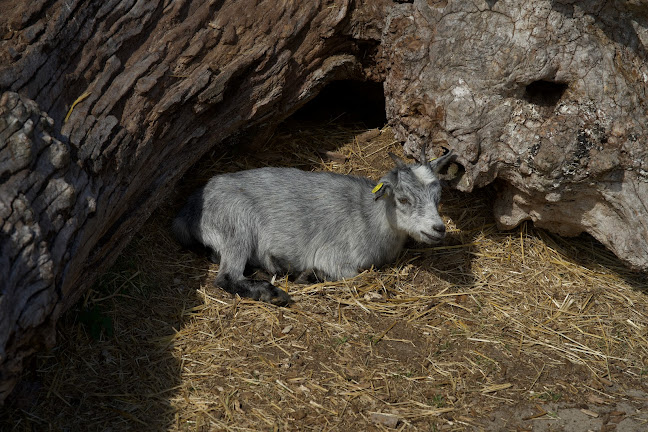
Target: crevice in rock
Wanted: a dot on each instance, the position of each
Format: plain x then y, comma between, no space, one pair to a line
544,93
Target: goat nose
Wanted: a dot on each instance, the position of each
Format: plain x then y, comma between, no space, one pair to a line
439,227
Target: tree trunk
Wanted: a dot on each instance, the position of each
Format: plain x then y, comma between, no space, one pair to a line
157,84
548,97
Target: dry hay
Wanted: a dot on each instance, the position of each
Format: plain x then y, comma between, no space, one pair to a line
441,340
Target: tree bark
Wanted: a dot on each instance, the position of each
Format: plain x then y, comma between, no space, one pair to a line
547,97
157,84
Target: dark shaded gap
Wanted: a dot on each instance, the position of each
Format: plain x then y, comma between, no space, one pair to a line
544,93
346,102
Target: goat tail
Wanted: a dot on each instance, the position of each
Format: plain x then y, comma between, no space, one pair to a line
182,231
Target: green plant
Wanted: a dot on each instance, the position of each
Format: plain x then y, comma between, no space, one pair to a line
340,341
438,401
550,396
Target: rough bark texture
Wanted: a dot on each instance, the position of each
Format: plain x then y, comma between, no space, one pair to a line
547,97
165,81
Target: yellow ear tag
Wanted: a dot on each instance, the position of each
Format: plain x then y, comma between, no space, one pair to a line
377,188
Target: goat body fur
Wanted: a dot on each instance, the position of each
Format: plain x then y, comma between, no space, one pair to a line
288,220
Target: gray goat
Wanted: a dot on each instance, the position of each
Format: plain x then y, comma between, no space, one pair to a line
288,220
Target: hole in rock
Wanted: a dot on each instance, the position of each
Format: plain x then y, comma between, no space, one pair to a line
544,93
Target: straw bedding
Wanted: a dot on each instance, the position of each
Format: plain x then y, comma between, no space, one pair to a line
447,338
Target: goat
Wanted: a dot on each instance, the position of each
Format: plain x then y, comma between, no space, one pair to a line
288,220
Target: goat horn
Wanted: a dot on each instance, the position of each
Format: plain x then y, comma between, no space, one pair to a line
423,157
398,161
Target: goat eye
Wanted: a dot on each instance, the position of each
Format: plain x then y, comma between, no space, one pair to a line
404,201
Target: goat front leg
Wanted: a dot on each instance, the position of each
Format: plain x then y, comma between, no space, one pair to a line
231,279
256,290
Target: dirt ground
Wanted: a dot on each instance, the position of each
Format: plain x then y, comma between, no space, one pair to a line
491,331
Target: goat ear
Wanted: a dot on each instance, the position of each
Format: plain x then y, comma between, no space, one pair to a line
437,164
383,187
423,157
398,161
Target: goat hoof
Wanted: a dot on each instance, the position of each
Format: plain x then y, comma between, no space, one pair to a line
281,298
